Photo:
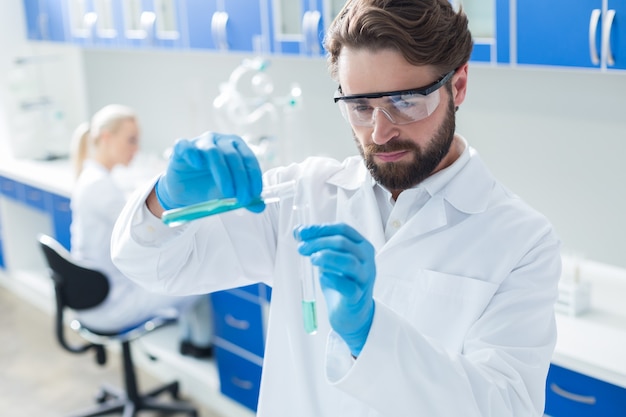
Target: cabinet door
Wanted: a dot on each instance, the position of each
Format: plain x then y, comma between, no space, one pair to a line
153,23
570,394
489,24
61,219
2,265
240,378
45,20
95,22
239,321
297,26
559,32
227,25
616,28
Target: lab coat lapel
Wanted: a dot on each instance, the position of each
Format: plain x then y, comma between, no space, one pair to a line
362,213
468,192
356,202
430,217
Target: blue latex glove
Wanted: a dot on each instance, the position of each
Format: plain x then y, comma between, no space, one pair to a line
209,167
347,269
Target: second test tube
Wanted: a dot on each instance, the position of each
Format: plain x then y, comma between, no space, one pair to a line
308,274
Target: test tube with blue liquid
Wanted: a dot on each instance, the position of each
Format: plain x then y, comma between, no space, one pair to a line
270,194
308,274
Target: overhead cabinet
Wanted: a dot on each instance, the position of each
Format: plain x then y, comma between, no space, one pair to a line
224,25
585,33
45,20
489,22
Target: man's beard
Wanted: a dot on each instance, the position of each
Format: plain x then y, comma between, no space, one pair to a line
403,175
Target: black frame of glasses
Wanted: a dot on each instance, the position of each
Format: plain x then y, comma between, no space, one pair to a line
423,91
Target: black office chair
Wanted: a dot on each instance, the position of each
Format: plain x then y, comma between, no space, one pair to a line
78,288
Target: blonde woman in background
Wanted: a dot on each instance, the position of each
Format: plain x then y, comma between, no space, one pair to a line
111,139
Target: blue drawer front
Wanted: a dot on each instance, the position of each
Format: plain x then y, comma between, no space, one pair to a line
251,289
62,218
2,266
36,198
240,379
238,321
570,394
10,188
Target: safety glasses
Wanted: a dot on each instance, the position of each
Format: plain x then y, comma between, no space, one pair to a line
400,107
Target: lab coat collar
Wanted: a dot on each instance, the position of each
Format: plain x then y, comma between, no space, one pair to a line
468,193
467,190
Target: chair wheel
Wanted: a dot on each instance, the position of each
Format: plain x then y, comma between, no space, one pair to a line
102,397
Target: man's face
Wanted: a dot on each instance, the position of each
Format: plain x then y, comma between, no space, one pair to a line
399,156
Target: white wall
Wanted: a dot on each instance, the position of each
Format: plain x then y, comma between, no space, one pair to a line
51,70
556,137
173,93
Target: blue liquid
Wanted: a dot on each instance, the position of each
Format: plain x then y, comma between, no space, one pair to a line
309,314
183,215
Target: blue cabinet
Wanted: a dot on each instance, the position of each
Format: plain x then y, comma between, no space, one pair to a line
573,34
61,219
2,264
240,377
298,26
570,394
45,20
95,23
490,26
240,341
55,206
109,23
153,23
227,26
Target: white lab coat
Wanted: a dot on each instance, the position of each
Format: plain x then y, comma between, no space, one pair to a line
464,322
96,202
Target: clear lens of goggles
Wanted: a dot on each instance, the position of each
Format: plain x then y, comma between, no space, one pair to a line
400,109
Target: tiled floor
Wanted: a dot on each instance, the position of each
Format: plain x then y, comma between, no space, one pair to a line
38,378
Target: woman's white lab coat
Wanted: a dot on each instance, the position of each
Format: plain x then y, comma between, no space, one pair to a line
464,322
96,202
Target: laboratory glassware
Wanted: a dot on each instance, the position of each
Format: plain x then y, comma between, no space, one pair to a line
308,275
182,215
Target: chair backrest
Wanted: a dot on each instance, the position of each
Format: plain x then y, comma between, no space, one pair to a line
78,286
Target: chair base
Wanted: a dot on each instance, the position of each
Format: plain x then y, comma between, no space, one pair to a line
112,400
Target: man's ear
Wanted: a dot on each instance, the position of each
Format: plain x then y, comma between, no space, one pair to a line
459,84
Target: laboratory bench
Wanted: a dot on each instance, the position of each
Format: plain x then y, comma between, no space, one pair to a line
587,376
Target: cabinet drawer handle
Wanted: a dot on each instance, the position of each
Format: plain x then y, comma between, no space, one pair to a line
584,399
236,323
241,383
593,29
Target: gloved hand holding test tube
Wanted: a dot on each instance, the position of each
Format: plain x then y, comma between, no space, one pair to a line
308,274
182,215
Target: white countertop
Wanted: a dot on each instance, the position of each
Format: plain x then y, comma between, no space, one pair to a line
594,343
58,176
54,176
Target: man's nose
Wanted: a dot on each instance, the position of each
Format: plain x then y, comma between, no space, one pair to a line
384,128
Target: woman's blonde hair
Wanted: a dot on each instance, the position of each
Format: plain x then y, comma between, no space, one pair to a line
87,134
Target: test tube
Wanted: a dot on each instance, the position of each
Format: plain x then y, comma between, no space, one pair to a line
308,274
182,215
